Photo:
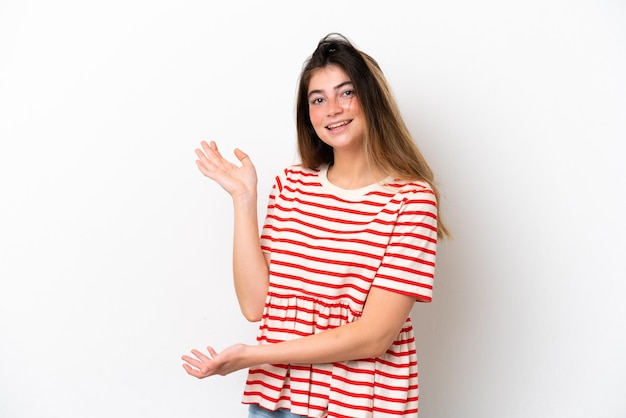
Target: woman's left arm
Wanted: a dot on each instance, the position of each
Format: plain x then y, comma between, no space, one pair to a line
384,314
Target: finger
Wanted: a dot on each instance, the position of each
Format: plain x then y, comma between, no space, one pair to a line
212,352
206,158
201,155
197,368
207,151
202,168
241,156
192,362
193,372
211,150
211,161
206,167
201,356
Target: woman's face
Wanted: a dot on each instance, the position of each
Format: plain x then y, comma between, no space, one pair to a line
334,109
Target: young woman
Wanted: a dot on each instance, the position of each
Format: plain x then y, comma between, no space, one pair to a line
347,247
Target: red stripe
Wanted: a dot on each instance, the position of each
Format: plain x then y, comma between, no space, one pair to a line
412,281
372,372
407,270
327,249
315,299
419,296
325,261
312,369
414,225
266,385
410,258
329,219
419,212
372,409
329,196
307,203
327,230
375,396
297,232
320,315
321,284
341,297
377,384
417,236
413,247
406,341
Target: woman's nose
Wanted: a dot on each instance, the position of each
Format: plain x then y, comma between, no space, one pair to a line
334,106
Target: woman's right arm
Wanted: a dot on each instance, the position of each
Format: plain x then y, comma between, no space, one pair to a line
250,265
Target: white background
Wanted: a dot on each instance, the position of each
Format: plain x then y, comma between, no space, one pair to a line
115,250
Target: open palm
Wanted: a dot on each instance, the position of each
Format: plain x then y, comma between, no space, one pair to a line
236,180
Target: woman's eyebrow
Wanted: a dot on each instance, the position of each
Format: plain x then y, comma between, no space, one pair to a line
337,87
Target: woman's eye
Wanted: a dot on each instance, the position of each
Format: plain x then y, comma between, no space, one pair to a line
317,100
348,93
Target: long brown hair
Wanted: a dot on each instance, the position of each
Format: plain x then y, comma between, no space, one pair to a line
388,143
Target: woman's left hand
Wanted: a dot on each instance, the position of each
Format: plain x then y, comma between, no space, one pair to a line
223,363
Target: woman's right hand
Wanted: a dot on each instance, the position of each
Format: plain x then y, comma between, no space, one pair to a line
229,360
237,181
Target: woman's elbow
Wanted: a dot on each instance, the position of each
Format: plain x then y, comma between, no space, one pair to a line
379,343
380,348
252,315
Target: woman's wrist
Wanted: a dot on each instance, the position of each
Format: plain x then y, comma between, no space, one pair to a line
245,199
251,356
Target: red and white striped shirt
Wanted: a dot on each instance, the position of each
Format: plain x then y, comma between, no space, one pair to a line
328,247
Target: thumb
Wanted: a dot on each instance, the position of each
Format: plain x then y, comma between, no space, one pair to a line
242,156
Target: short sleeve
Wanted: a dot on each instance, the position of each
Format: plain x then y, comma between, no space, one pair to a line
270,218
408,265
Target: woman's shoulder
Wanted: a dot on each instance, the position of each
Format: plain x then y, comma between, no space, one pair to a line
298,171
415,194
408,187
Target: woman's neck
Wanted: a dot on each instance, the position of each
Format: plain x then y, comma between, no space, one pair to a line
353,173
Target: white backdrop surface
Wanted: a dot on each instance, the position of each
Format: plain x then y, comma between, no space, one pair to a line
115,251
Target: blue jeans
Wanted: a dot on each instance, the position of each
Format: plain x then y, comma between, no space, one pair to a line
255,411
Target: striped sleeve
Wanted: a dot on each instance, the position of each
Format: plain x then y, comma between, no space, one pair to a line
408,265
266,232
